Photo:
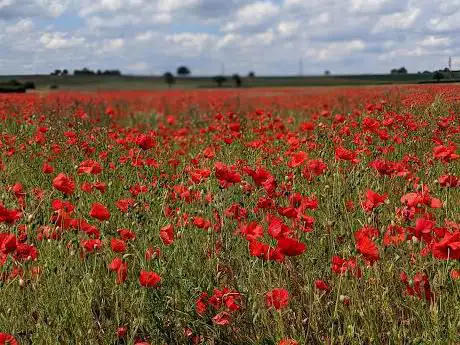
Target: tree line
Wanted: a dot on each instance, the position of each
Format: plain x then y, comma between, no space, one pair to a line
184,71
87,72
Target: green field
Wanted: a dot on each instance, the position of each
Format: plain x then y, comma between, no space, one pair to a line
44,82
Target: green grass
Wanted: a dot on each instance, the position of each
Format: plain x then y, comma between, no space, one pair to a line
43,82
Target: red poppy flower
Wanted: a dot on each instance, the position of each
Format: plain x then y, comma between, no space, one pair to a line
368,249
149,279
167,234
277,298
373,200
297,159
455,274
394,235
9,216
145,141
449,181
122,332
201,304
118,246
287,341
7,339
347,155
99,212
115,264
47,169
89,167
91,245
291,247
126,234
124,204
64,184
322,285
121,267
8,243
222,319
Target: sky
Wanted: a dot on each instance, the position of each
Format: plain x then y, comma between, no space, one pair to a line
269,37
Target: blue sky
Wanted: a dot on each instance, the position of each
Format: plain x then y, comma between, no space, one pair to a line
269,37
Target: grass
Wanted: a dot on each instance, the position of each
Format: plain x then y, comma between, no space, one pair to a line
75,298
43,82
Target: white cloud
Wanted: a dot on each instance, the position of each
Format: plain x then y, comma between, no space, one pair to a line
145,36
435,41
445,23
109,46
252,14
288,28
399,20
336,50
174,5
21,26
191,44
322,19
376,6
266,35
59,40
263,38
6,3
228,40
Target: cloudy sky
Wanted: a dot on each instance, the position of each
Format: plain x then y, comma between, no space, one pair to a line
269,37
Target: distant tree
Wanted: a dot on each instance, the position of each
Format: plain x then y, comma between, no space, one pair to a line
237,79
438,76
169,78
85,71
183,71
99,72
56,72
29,85
251,74
65,72
13,82
447,70
111,72
426,72
327,72
219,79
401,70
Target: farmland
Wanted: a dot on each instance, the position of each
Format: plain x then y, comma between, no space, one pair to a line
263,216
130,82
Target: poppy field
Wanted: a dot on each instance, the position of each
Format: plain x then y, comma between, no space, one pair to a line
262,216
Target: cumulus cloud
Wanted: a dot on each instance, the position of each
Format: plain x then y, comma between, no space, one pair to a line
109,46
12,9
252,14
59,40
288,28
399,20
336,50
269,36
